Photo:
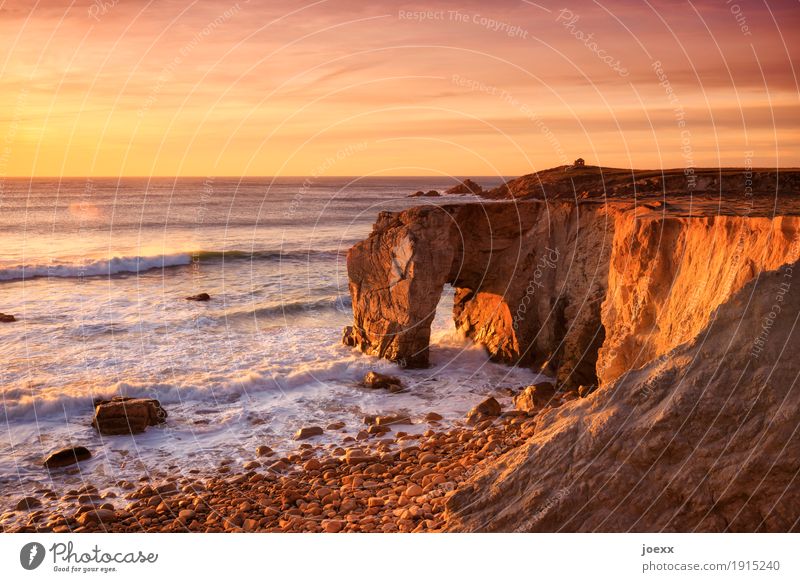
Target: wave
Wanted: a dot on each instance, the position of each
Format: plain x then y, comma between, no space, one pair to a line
140,264
340,303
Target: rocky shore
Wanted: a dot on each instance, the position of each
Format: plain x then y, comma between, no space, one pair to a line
382,480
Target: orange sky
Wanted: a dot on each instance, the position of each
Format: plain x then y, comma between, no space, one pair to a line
124,87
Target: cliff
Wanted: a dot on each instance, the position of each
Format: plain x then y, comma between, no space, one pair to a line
679,308
583,291
702,439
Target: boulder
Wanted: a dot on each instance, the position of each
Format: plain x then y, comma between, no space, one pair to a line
376,380
28,504
393,419
6,318
428,194
199,297
122,415
535,397
489,408
308,432
465,187
66,457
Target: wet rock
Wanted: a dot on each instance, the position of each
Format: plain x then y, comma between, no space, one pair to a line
335,425
122,415
264,451
28,504
348,336
308,432
199,297
487,409
535,397
6,318
97,516
433,417
66,457
375,380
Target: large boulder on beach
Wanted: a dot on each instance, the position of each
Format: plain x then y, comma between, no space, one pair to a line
65,457
122,415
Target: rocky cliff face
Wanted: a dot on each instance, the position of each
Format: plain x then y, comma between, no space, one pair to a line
703,438
582,291
530,279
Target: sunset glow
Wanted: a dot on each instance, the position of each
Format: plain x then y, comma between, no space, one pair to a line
283,88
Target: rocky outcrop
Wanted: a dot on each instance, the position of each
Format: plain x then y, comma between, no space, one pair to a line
122,415
582,291
529,280
701,439
595,182
466,187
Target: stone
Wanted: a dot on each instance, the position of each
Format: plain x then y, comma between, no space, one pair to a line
535,397
6,318
335,425
312,465
65,457
97,516
413,491
332,525
584,391
123,415
308,432
264,451
392,419
421,194
376,380
433,417
28,504
199,297
488,408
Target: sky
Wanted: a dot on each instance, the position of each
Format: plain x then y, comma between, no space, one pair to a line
350,88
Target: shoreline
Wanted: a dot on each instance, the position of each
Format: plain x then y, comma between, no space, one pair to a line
384,480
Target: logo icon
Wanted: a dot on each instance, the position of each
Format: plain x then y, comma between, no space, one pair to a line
31,555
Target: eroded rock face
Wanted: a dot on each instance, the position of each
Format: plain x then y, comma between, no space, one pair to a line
529,279
701,439
583,291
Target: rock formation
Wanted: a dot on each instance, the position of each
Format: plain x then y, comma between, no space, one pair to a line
122,415
583,291
466,187
701,439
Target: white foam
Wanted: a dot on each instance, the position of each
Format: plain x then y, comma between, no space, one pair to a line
94,268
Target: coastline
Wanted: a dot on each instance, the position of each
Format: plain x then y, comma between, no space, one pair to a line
382,480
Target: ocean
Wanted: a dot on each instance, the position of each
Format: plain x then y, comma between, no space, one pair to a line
97,271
